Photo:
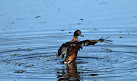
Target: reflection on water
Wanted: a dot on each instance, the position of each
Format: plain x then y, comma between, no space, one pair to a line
70,73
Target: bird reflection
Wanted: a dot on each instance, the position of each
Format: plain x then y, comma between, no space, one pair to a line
70,73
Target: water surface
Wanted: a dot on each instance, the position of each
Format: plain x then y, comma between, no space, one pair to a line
32,32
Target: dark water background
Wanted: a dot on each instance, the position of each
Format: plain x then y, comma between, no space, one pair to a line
31,33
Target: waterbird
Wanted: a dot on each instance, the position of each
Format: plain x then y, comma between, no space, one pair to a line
71,48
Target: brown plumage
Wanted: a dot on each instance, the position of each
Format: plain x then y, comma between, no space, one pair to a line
72,47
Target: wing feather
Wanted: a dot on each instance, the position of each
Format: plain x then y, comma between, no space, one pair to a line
63,49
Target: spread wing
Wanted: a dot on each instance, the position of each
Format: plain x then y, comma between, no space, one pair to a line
89,42
63,49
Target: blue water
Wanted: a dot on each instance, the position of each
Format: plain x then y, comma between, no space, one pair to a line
31,33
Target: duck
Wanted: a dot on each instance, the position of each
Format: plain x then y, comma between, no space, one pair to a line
72,47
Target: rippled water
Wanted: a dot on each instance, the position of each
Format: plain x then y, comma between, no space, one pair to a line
31,35
31,55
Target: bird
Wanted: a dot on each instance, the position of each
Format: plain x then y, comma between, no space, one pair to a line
72,47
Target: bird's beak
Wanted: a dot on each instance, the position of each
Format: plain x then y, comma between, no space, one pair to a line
81,35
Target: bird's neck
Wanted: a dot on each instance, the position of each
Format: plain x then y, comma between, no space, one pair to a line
75,38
